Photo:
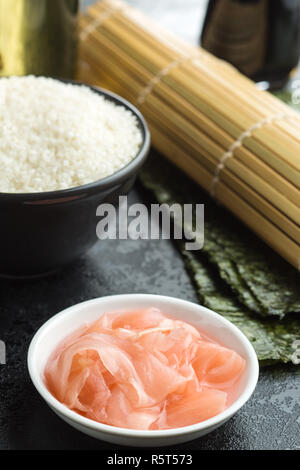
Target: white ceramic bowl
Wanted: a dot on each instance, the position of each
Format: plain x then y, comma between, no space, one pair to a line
65,322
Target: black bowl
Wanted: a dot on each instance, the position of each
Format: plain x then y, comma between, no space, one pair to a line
41,232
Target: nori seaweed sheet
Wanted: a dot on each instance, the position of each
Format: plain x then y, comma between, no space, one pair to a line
274,341
259,277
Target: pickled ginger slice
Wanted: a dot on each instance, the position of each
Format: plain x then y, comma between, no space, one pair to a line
159,379
143,370
217,365
121,412
194,408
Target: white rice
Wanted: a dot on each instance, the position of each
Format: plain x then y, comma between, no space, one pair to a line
57,136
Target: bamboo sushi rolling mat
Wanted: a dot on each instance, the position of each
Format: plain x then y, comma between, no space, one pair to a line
239,143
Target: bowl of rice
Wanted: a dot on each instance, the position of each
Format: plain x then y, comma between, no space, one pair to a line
65,148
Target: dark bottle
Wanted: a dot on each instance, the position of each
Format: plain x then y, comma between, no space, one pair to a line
38,37
260,37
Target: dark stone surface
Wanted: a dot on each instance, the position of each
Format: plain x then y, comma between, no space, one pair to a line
270,420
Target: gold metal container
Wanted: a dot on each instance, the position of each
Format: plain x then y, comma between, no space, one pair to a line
38,37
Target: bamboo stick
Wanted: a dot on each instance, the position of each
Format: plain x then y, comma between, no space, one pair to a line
191,134
226,69
196,110
225,83
267,154
228,82
273,214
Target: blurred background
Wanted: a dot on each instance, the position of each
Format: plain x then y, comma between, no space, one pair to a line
260,37
167,12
